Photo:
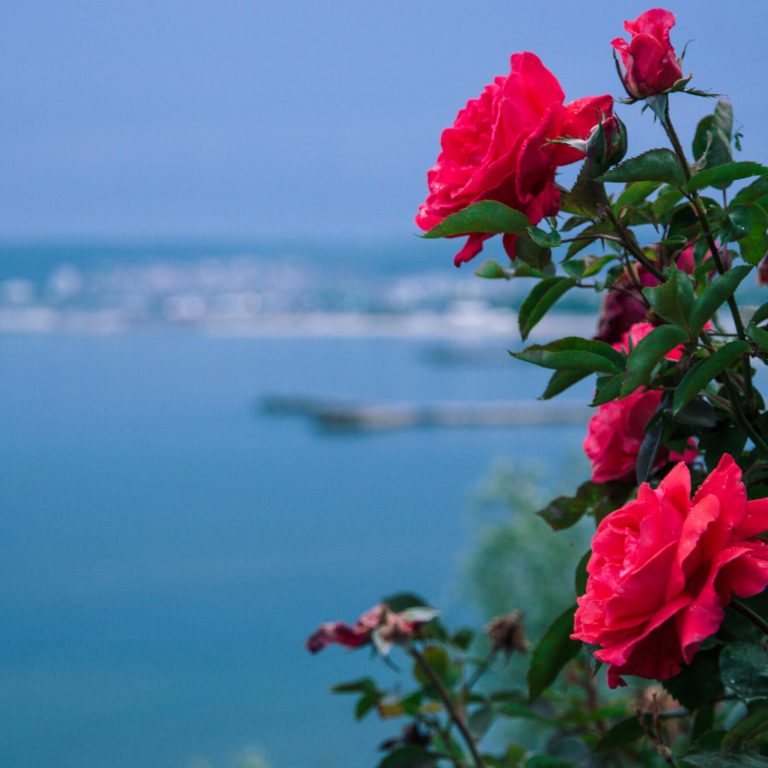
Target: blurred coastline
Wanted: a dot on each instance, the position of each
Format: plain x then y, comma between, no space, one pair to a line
236,290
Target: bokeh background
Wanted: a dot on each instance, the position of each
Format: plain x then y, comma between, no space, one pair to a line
206,246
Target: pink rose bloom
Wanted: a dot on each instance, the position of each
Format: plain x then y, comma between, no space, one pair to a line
617,429
379,625
650,63
664,567
497,149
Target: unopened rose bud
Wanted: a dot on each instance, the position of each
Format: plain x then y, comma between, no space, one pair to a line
650,63
607,142
507,633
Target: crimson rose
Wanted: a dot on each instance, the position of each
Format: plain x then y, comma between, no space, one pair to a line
649,58
497,149
664,567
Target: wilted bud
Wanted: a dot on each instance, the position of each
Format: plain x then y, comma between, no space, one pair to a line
507,633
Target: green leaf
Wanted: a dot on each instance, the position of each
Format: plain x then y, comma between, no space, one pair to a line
759,336
736,224
649,448
591,498
440,663
463,638
654,165
540,300
574,354
726,439
716,760
363,685
672,299
492,270
608,389
702,373
562,380
634,194
665,202
712,142
724,117
697,683
487,216
533,254
754,193
698,413
365,704
409,757
761,314
754,244
646,355
594,265
547,761
744,668
582,198
748,733
622,734
552,653
584,241
480,720
581,576
543,238
714,295
724,174
563,512
402,601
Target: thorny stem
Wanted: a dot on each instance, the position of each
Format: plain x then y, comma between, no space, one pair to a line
449,704
748,613
578,238
701,215
626,241
741,419
481,669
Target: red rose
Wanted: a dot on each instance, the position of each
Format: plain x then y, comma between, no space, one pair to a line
497,149
664,567
617,429
649,58
379,625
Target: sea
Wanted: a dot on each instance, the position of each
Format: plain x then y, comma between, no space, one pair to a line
169,536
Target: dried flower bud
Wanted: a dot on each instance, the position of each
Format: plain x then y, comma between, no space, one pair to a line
507,633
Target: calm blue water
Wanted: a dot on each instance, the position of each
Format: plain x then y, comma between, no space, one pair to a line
165,547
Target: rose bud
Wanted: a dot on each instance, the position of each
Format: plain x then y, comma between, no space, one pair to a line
607,143
650,63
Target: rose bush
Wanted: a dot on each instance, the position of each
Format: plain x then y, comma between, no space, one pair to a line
674,585
663,568
650,63
497,149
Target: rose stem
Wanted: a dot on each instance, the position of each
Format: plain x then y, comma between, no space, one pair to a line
748,613
450,707
701,215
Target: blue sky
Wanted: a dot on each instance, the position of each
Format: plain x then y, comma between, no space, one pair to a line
176,118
